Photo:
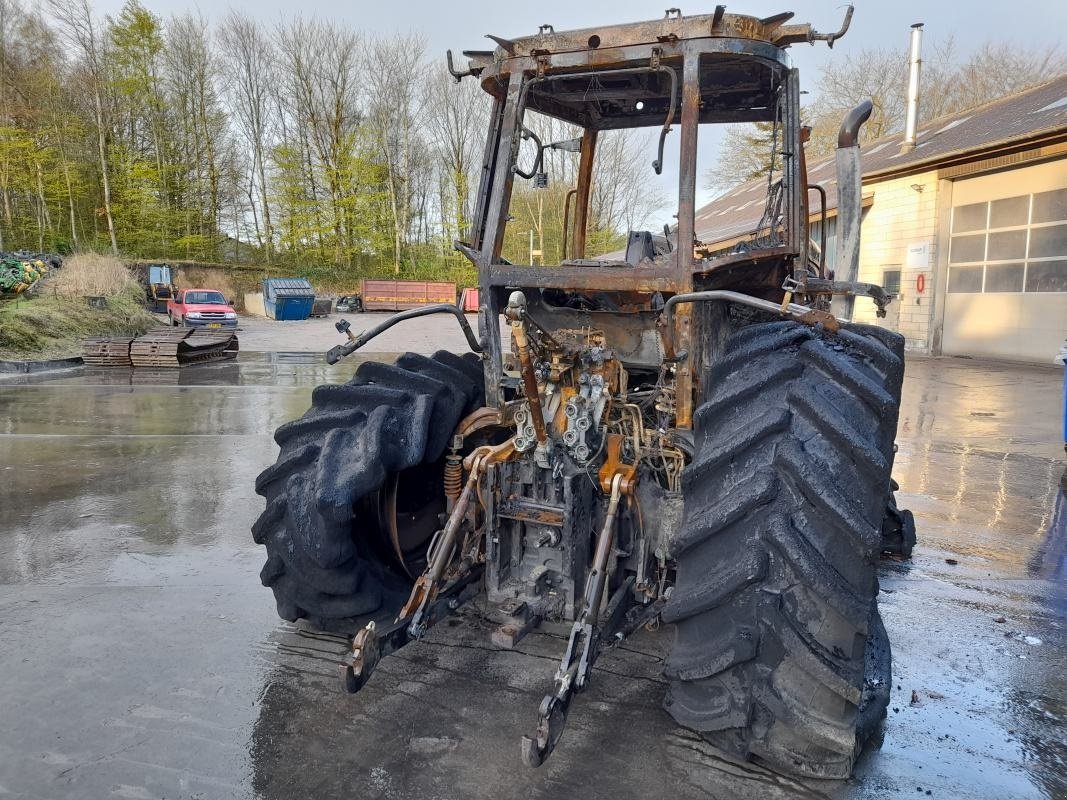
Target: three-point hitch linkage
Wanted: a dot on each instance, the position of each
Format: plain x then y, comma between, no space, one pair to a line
455,564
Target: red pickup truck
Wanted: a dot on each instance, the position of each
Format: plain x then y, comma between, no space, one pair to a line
201,308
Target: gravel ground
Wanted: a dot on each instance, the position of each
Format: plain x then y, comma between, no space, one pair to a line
426,335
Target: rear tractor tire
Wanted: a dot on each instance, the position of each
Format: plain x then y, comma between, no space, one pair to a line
780,652
898,528
365,453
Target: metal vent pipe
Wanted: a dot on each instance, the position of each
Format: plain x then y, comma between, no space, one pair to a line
914,67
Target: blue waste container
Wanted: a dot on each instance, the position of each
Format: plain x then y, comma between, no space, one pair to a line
287,298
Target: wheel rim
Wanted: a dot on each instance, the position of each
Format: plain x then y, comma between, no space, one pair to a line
409,506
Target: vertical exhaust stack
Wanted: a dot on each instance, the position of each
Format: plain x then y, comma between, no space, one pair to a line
914,67
850,197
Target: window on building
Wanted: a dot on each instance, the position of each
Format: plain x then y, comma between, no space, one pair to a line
1014,244
891,280
815,233
964,279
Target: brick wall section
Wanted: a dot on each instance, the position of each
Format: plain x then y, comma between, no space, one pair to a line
900,216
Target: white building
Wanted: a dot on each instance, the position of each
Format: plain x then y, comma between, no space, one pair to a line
969,228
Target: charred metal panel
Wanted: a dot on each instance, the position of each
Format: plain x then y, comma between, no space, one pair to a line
542,524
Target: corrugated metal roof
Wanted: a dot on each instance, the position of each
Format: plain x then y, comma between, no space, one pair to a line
288,283
288,287
1032,114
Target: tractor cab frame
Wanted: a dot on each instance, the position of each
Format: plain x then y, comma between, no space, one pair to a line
674,73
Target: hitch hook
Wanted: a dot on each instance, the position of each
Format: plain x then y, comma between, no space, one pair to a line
583,646
551,720
365,655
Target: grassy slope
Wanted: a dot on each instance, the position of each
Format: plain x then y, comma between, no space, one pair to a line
47,327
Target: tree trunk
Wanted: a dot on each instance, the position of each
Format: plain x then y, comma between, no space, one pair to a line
104,179
266,206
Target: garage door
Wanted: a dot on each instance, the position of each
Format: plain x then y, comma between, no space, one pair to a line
1007,275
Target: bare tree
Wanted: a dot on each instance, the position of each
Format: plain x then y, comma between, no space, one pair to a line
457,124
622,198
321,66
949,85
79,29
395,106
251,67
193,74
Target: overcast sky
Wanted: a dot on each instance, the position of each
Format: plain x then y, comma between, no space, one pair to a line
462,25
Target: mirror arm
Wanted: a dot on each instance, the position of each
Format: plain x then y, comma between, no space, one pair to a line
657,165
529,134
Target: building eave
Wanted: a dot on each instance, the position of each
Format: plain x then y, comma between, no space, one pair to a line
1047,136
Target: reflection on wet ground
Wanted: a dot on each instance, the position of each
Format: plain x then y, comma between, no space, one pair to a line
141,658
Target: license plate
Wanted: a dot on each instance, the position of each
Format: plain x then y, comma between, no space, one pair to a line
214,324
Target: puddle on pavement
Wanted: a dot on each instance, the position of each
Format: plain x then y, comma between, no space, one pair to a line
128,499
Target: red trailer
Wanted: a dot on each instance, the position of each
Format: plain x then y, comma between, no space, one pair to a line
469,299
378,295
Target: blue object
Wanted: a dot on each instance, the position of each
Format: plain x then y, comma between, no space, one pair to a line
287,298
159,273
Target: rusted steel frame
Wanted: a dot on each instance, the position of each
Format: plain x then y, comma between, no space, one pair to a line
587,278
684,257
529,380
499,194
685,383
771,30
801,266
628,56
791,310
585,184
566,220
822,227
503,177
485,183
493,355
687,165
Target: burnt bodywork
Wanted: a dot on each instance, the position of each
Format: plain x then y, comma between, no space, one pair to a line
674,74
682,72
572,500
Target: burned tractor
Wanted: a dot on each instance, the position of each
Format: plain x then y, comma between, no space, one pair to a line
670,434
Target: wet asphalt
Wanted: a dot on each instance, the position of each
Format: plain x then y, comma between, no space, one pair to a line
141,658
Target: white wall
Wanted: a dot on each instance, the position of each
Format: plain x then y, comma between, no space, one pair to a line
901,216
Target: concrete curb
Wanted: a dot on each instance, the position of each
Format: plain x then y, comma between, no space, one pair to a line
23,367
